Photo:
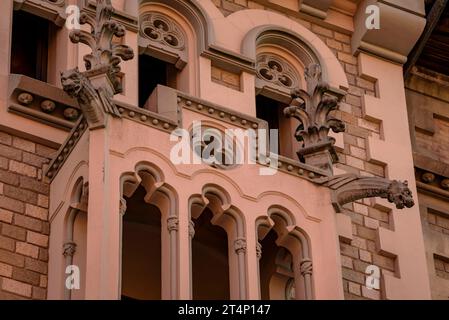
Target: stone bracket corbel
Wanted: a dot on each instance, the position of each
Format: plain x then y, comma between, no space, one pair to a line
348,188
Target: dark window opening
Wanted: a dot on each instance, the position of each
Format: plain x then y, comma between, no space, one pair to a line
29,48
153,72
272,111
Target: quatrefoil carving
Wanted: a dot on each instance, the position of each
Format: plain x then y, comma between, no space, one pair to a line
277,71
161,29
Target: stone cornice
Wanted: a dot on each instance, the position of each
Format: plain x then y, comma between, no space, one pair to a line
401,26
139,115
231,61
432,184
42,102
223,114
50,10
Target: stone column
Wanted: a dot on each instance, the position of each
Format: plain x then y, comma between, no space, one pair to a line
69,249
173,228
240,250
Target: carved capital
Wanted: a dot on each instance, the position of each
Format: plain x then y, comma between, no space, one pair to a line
312,108
258,250
240,246
306,267
191,229
173,224
122,207
69,249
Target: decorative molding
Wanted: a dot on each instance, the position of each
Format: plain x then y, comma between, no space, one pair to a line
350,187
66,148
173,224
306,267
240,246
83,203
53,10
69,249
41,102
161,37
312,109
162,29
227,60
432,183
95,88
276,70
244,121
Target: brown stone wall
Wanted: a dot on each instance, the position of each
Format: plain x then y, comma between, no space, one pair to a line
24,226
435,145
366,218
441,267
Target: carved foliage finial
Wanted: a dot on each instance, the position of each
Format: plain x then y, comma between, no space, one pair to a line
312,108
94,93
105,56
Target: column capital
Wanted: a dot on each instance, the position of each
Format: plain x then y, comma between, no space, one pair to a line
191,229
69,249
258,250
123,206
173,224
240,245
306,267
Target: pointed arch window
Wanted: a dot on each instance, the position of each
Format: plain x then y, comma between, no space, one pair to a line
162,54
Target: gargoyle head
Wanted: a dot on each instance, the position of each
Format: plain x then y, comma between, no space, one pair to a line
400,194
72,81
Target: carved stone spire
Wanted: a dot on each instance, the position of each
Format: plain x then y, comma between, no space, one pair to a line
96,87
312,109
350,187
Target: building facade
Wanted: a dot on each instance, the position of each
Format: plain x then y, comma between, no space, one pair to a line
107,108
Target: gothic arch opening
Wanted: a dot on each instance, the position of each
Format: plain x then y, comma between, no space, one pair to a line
276,270
278,72
285,266
141,249
210,264
75,243
217,233
171,36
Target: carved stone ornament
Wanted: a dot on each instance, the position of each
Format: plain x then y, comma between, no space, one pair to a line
173,224
240,246
69,249
95,88
161,29
306,267
191,229
350,187
312,109
277,71
122,206
258,250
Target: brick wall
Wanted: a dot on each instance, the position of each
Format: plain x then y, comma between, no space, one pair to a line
24,226
366,218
